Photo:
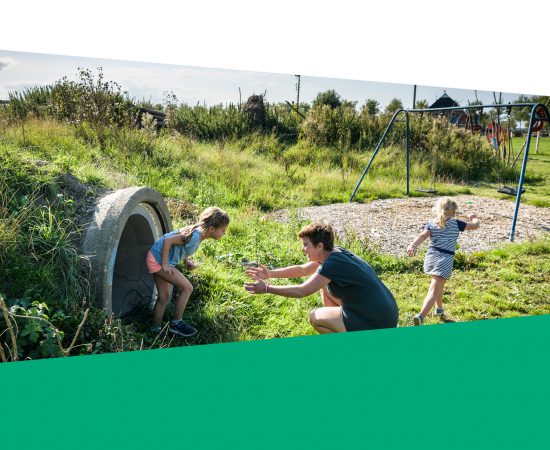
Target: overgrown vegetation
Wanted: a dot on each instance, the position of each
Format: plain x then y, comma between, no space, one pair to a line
226,156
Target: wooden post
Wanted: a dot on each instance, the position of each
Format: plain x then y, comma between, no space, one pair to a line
297,92
23,129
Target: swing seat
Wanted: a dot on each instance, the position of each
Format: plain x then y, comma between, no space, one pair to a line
510,190
426,190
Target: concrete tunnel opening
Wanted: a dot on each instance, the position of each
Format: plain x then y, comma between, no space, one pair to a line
124,226
132,284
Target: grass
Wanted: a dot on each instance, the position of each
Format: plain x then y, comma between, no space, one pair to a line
505,282
39,223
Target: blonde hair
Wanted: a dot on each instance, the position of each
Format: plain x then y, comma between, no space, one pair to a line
444,209
210,217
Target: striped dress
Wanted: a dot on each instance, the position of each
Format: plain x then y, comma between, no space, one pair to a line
440,255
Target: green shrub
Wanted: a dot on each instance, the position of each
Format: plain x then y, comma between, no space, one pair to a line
88,100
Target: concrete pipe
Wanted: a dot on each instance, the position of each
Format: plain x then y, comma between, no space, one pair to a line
124,226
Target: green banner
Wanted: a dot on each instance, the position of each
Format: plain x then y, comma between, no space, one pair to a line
469,385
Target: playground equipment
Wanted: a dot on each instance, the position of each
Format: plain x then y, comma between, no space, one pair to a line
124,226
441,124
501,140
539,115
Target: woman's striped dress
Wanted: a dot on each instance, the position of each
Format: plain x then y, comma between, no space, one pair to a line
441,251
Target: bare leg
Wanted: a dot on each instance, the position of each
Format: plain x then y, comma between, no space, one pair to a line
185,289
329,300
327,320
163,290
434,295
439,301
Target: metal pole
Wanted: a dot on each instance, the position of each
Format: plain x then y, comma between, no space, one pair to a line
408,146
414,97
374,154
454,108
520,184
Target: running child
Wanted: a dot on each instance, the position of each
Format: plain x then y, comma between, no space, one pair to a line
438,262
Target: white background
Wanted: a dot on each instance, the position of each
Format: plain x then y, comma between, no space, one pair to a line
472,44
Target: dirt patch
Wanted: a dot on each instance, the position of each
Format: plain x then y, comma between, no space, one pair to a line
390,225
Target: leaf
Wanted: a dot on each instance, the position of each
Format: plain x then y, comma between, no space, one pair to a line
33,336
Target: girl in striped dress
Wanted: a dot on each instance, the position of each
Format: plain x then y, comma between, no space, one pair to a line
439,259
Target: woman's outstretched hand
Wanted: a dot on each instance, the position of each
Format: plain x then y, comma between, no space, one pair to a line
258,287
261,272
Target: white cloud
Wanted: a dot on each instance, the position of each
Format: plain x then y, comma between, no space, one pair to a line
6,63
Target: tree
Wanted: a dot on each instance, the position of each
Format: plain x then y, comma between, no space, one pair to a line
349,104
479,117
371,107
330,98
421,104
522,114
393,106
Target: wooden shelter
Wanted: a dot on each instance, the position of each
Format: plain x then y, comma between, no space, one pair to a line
459,118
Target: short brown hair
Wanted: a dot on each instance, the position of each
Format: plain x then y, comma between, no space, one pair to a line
319,232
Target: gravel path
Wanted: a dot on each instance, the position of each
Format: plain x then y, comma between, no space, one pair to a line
390,225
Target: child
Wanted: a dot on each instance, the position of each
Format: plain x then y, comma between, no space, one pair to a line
440,255
169,251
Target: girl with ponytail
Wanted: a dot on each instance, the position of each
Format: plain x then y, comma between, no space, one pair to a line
169,251
443,232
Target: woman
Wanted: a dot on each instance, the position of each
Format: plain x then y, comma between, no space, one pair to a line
354,297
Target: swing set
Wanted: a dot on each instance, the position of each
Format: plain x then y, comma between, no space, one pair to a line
434,153
539,115
500,139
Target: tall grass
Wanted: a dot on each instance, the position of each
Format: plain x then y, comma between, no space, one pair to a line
41,269
103,116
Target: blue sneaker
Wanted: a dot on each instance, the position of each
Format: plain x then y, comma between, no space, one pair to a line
180,328
439,312
155,330
417,320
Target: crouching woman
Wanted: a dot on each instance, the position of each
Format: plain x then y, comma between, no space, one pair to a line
353,296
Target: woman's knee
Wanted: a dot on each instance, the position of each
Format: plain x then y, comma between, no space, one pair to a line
325,320
317,318
313,319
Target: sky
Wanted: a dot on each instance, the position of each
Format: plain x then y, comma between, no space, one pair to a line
213,86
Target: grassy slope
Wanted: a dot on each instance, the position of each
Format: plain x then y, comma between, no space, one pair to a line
501,283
